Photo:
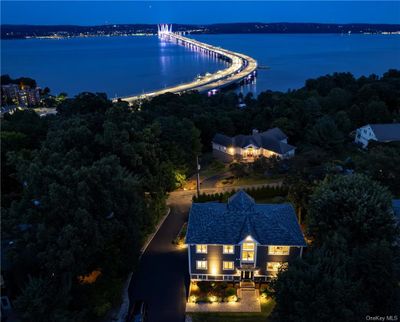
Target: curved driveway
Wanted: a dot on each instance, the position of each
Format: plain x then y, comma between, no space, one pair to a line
163,278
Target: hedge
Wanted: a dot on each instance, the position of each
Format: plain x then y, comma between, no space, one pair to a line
256,193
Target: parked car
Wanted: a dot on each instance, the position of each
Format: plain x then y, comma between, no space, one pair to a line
138,312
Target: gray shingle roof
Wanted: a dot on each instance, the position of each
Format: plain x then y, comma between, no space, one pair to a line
270,140
222,139
386,132
268,224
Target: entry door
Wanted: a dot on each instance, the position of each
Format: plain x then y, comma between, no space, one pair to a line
247,275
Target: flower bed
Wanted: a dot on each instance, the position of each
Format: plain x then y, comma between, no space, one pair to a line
211,292
180,239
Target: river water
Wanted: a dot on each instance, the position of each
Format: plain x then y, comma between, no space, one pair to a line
122,66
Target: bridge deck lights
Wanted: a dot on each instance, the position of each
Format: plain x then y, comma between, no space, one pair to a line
241,68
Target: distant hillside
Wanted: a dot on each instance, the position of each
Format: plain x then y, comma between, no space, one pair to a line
26,31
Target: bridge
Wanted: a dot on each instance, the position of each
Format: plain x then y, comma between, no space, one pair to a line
241,69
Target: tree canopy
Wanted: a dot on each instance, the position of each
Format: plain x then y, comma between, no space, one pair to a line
351,269
83,188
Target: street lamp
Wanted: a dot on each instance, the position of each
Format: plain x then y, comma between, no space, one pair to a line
198,176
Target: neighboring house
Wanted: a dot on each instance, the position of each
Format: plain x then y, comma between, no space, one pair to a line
377,132
21,95
241,240
249,147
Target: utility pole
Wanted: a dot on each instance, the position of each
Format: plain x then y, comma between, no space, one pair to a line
198,176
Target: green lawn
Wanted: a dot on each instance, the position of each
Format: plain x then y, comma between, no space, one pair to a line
249,180
213,169
266,309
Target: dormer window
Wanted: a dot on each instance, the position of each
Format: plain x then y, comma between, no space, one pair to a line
201,249
248,252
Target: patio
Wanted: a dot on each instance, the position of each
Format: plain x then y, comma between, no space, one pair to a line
249,302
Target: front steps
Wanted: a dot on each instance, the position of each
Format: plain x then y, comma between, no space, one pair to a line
247,285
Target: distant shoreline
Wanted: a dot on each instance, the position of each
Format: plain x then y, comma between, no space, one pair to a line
154,35
73,31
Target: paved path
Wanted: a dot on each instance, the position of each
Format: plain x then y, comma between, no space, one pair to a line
162,278
249,302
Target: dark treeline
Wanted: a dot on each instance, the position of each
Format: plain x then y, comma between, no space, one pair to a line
351,267
22,31
82,189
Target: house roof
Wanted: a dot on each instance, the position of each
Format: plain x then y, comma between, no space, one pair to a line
386,132
269,140
223,139
231,223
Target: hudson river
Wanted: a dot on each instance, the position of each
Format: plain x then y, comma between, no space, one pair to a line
131,65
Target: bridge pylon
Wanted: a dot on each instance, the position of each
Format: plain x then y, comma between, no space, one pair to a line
164,29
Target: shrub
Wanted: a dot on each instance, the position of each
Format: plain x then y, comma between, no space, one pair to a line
204,286
203,299
230,291
102,309
257,193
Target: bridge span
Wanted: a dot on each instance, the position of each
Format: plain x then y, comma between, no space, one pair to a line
242,68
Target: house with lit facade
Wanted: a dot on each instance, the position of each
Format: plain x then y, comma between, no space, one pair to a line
241,240
383,133
248,147
19,95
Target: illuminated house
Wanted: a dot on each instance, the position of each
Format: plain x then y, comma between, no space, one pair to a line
241,240
249,147
13,94
377,132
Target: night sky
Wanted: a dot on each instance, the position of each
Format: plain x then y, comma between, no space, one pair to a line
197,12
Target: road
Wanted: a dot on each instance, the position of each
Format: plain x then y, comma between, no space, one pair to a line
163,277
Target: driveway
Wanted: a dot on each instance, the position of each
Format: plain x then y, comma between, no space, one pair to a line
162,279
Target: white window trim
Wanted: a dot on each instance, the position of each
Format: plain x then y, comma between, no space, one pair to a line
254,250
270,252
245,260
202,268
228,269
225,252
197,252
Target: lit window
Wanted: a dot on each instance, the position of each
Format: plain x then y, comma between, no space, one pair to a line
228,249
201,249
247,256
248,252
228,266
278,250
248,246
201,264
275,266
